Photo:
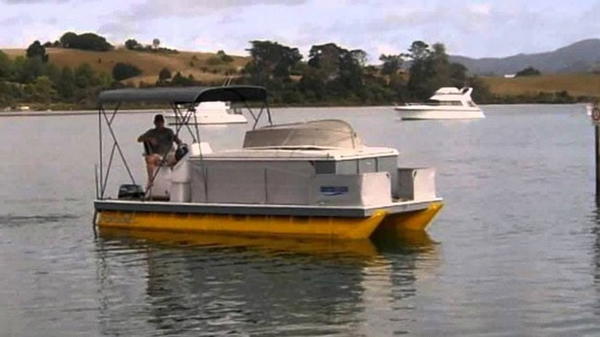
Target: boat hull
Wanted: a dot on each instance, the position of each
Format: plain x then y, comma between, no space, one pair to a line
322,227
330,227
417,113
409,221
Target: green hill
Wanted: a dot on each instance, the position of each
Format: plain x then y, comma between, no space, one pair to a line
203,66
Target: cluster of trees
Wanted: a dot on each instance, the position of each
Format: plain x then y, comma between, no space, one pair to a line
220,58
85,41
133,44
529,71
32,79
333,74
167,79
122,71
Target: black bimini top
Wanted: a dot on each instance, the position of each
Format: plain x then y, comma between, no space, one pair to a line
185,95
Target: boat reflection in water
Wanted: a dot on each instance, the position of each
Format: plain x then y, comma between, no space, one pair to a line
256,285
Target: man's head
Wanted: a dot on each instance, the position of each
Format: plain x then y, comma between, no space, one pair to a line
159,121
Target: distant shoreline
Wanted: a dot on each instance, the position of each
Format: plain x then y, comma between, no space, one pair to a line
148,111
69,113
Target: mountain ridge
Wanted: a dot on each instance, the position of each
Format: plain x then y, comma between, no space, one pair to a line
580,56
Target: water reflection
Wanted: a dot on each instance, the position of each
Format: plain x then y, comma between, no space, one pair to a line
211,284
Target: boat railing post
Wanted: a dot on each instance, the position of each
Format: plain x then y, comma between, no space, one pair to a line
597,146
100,150
596,121
96,181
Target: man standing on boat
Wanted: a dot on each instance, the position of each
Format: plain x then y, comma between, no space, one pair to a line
158,143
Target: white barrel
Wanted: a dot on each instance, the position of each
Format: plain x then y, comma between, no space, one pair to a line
181,171
161,184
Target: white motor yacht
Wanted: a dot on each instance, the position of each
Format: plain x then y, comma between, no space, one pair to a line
209,113
446,103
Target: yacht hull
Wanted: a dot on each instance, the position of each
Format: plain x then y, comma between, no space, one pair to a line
298,225
410,113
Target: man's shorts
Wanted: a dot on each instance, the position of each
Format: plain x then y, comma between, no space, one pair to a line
170,158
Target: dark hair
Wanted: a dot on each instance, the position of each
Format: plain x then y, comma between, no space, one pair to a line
158,118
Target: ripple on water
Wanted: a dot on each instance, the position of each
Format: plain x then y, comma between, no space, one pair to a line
23,220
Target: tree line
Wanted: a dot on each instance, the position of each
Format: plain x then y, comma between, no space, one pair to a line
336,75
330,75
33,79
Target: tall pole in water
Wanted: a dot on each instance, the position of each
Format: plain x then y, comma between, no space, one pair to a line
597,136
596,120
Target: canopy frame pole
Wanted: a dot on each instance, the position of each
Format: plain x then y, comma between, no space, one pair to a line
110,160
184,119
251,113
197,128
116,146
114,114
258,117
103,178
263,108
266,104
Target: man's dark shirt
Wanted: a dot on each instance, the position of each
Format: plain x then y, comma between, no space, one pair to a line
164,140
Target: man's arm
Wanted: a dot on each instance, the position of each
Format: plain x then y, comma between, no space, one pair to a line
177,140
145,137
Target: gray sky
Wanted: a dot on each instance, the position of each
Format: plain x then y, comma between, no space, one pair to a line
471,28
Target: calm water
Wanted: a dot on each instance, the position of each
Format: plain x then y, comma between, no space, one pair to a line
516,250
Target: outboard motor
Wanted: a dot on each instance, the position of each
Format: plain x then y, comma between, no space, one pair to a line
131,192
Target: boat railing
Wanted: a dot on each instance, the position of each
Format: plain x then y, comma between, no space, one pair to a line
416,104
438,103
427,104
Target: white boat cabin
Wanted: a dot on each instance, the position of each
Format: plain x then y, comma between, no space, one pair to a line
314,163
451,96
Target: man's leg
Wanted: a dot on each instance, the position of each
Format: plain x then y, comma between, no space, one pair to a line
152,163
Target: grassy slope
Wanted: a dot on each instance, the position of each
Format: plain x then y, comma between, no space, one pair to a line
149,63
575,84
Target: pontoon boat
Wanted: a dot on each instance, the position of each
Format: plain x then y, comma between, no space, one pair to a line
312,179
